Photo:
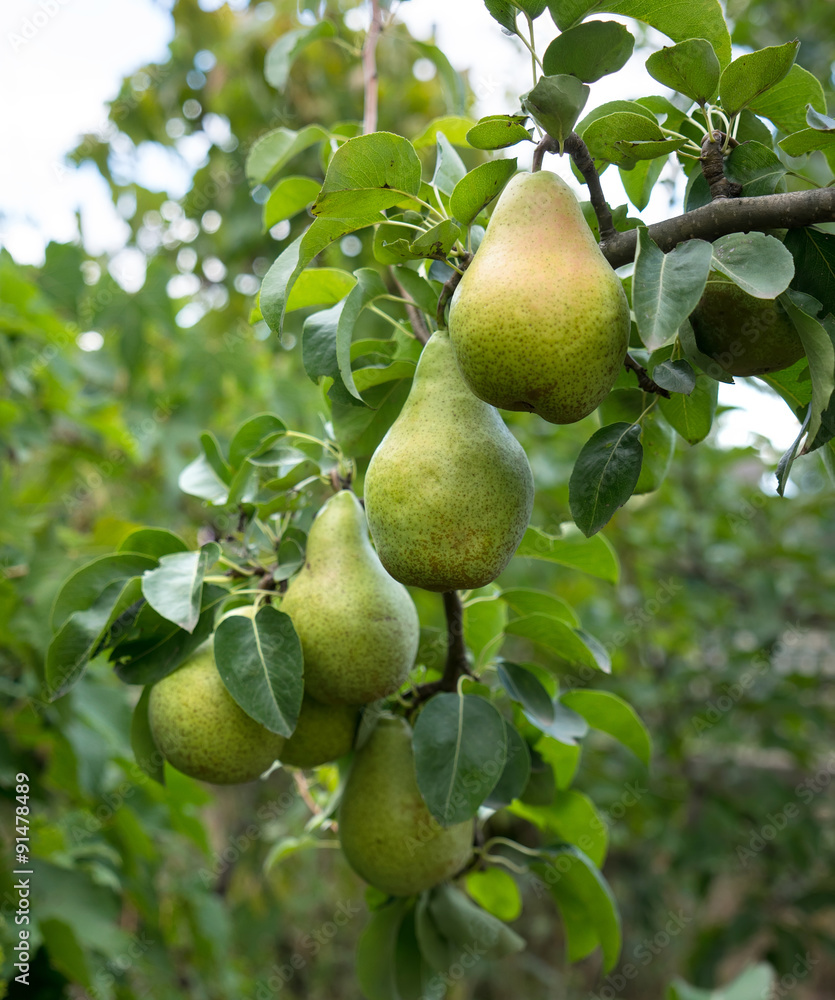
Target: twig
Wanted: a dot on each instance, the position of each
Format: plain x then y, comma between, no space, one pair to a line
712,163
304,792
419,328
546,145
793,210
579,153
449,288
369,69
456,661
644,381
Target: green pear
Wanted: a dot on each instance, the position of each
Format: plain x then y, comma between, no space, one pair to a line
201,729
743,334
322,733
388,835
540,321
358,627
449,491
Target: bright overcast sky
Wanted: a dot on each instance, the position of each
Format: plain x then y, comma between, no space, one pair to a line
61,60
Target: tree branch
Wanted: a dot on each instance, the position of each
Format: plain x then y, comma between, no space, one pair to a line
419,328
369,69
712,162
729,215
644,381
456,660
449,288
579,153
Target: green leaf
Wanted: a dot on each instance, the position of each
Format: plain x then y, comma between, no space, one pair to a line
279,280
174,589
498,132
496,891
368,287
199,479
484,621
675,376
525,687
449,76
417,288
563,759
756,167
275,149
480,186
753,983
145,750
571,817
376,952
289,197
612,107
515,773
555,104
359,430
284,51
466,925
437,241
320,286
819,346
586,903
66,955
460,749
667,287
594,556
560,639
699,19
814,264
787,460
454,127
657,437
692,416
154,542
625,136
691,68
806,141
415,978
759,264
604,475
639,180
589,51
504,12
610,714
449,167
532,7
367,174
785,104
260,662
254,435
525,601
83,588
754,73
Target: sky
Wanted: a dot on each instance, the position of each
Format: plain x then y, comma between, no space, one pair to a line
61,60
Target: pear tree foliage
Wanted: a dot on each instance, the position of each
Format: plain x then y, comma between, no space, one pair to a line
489,733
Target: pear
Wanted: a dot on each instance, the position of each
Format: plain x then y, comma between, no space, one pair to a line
201,729
743,334
388,835
322,733
358,627
449,491
540,321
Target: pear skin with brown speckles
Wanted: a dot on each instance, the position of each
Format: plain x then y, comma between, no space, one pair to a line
540,321
449,491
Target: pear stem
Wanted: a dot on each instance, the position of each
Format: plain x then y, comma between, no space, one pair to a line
712,162
579,153
456,661
450,286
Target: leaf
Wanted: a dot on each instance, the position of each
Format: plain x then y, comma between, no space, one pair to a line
555,104
585,901
594,556
525,687
571,817
417,288
376,951
279,280
691,68
819,346
66,955
759,264
415,978
449,76
286,48
814,264
484,621
785,104
699,19
498,132
589,51
756,167
806,141
675,376
754,73
260,662
525,601
367,174
453,127
666,288
466,925
289,197
560,639
254,435
515,773
784,466
480,186
145,750
368,287
496,891
610,108
437,241
199,479
154,542
692,416
460,749
320,286
359,430
625,136
83,588
604,475
173,589
610,714
639,180
504,12
449,167
273,150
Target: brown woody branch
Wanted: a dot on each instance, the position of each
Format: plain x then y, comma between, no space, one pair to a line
793,210
644,380
450,286
712,162
579,153
456,661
